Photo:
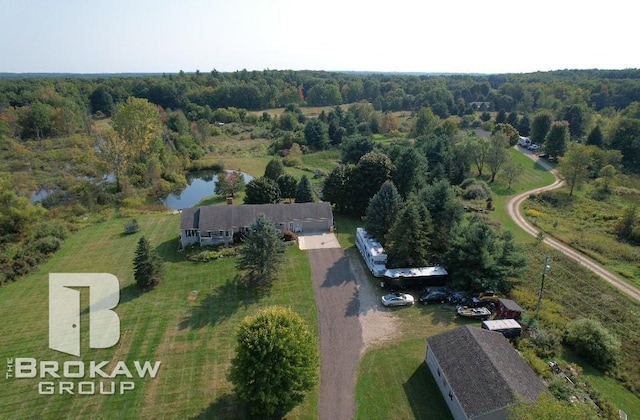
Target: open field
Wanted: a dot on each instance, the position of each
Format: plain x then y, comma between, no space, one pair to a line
193,340
586,222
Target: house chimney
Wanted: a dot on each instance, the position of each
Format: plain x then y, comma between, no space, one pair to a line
230,201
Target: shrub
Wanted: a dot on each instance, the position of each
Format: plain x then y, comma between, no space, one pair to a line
591,340
289,236
47,245
546,341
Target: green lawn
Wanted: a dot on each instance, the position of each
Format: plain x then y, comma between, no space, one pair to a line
192,339
534,176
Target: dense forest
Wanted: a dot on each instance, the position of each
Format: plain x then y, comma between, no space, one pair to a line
123,141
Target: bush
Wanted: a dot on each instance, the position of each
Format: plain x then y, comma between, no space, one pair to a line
47,245
477,191
289,236
591,340
546,342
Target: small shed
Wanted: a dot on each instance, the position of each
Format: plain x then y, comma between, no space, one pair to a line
507,327
507,308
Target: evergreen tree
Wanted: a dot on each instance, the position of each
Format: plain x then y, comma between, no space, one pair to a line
595,137
316,135
147,265
276,362
524,126
382,211
304,193
274,169
479,258
501,116
410,171
261,254
408,238
446,212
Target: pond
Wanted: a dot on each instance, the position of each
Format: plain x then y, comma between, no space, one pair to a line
199,185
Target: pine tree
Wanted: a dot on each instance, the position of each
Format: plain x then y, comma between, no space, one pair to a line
408,239
262,253
382,211
147,265
274,169
304,194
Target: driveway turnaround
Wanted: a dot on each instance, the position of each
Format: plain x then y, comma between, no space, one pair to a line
341,340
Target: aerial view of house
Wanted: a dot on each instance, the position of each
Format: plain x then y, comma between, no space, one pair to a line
479,373
210,225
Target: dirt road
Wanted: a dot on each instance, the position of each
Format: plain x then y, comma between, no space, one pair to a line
513,208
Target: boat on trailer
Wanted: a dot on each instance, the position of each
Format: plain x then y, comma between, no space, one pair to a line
479,312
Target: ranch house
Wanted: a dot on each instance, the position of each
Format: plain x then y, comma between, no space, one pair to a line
211,225
479,373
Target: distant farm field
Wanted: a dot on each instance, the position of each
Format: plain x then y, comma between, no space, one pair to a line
193,339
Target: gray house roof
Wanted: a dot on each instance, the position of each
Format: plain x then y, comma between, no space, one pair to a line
484,370
216,218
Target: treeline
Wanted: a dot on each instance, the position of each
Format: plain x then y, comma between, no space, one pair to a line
200,94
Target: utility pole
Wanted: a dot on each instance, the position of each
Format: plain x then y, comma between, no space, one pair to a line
545,271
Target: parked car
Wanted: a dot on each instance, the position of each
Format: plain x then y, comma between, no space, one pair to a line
458,298
431,296
533,147
397,299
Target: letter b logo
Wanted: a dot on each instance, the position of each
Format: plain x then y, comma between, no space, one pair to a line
64,311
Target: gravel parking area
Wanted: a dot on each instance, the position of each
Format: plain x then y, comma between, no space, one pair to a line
351,319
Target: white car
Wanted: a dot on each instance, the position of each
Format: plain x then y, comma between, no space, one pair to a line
533,147
397,299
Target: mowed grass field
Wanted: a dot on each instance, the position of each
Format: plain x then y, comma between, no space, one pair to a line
193,340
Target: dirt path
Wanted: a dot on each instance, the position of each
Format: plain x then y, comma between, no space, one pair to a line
350,321
513,208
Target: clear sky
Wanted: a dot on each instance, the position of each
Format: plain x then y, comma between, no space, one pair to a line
463,36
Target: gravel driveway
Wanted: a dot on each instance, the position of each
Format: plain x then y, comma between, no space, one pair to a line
350,319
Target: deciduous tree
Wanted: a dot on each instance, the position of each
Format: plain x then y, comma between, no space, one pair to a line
229,183
540,126
573,166
372,170
276,362
555,144
497,154
262,191
288,185
261,254
512,171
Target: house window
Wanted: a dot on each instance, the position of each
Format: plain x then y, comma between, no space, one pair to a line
221,233
450,395
226,233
